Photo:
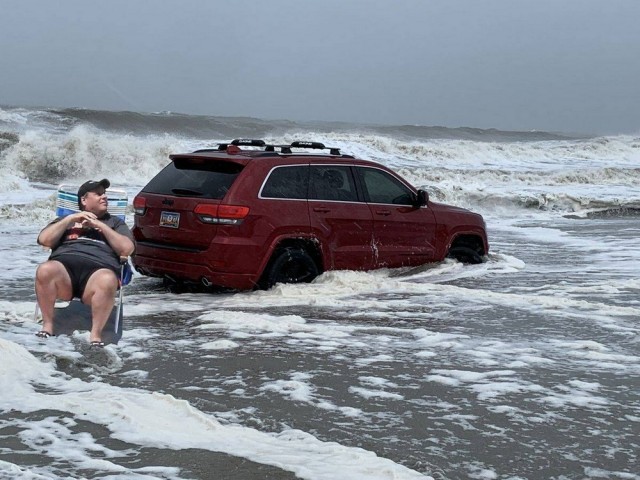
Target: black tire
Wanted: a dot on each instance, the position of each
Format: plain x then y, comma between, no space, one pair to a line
465,255
289,265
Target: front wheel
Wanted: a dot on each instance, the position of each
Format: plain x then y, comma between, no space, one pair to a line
465,255
290,265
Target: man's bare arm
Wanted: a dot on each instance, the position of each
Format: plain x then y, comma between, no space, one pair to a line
121,244
51,234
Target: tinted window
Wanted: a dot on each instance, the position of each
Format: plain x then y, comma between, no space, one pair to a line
287,182
380,187
195,178
331,182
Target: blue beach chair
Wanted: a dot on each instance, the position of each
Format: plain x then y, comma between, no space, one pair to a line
77,315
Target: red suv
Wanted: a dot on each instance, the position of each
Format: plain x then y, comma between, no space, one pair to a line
247,214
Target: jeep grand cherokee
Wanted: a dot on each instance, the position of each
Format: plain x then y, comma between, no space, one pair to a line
247,214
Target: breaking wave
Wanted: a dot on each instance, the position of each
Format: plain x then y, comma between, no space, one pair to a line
478,169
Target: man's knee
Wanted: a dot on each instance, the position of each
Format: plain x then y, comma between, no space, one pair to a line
52,281
50,270
103,280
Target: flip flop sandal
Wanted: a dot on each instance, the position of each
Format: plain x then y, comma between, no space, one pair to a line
44,334
97,344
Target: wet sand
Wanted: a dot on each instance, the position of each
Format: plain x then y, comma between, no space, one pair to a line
525,367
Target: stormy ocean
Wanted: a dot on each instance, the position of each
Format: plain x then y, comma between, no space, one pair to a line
524,367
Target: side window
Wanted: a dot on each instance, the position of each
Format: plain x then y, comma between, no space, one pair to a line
287,182
380,187
332,182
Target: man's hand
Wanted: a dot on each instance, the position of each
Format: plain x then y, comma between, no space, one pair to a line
86,219
120,243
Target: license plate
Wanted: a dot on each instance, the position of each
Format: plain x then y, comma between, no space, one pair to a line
169,219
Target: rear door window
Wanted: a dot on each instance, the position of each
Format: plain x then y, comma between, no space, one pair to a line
290,182
195,178
332,182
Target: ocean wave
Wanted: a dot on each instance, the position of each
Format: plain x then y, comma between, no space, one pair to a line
622,150
511,204
8,139
211,126
37,212
611,177
557,175
84,152
194,126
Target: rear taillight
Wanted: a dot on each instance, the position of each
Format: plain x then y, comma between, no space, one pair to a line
139,205
221,214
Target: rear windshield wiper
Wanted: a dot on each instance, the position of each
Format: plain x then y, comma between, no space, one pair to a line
186,191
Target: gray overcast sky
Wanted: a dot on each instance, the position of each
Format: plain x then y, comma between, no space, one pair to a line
560,65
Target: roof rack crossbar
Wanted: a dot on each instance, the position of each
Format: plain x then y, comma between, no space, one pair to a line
286,149
316,146
248,142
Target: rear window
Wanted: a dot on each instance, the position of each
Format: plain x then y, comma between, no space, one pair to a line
195,178
287,182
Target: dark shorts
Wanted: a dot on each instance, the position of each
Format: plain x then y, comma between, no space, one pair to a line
79,270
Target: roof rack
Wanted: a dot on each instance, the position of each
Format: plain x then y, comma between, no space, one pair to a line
243,142
317,146
249,142
302,144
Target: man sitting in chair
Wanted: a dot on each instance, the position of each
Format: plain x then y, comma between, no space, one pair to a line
85,259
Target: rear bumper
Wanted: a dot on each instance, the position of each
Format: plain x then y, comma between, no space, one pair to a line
199,272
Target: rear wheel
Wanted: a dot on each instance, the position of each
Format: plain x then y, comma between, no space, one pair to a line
465,255
290,265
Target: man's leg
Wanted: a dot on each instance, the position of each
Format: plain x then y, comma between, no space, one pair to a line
52,283
100,292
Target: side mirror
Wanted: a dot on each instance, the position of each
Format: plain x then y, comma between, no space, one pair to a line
422,198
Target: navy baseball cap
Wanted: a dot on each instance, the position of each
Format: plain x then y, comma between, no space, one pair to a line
90,186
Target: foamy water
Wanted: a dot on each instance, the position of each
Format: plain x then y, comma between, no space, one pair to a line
526,366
